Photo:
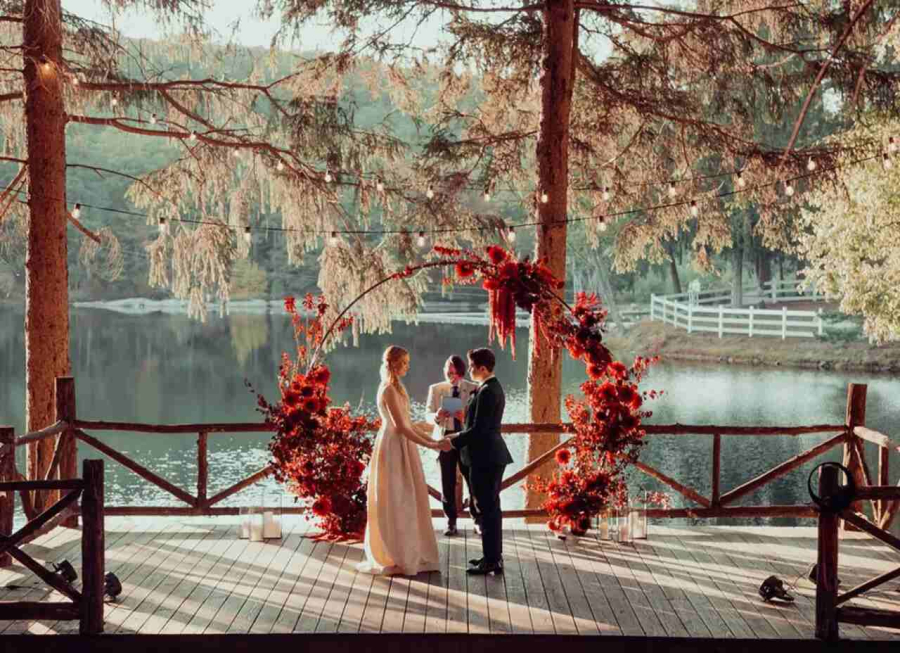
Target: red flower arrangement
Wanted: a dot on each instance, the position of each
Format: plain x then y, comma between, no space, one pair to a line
320,451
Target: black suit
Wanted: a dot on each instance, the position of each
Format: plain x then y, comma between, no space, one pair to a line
482,449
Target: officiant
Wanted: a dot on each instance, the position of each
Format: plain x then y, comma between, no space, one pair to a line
445,399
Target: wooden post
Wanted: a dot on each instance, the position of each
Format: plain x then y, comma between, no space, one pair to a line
884,478
202,468
7,473
774,286
690,310
92,549
783,322
720,320
821,324
65,410
827,562
716,470
855,416
750,326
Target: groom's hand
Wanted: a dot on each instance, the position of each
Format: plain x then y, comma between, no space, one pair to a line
444,445
460,416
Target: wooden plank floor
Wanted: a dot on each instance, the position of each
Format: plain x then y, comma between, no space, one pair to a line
193,576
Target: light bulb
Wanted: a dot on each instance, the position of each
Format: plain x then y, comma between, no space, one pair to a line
75,80
163,226
606,194
511,235
420,241
810,165
788,189
280,166
327,177
235,153
114,102
152,118
76,211
741,182
333,241
487,196
602,224
886,162
892,144
695,210
380,186
429,193
247,235
673,191
544,198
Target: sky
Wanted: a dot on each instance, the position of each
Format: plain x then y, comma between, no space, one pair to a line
222,19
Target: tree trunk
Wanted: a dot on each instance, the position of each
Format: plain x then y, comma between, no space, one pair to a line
557,80
673,269
47,275
737,281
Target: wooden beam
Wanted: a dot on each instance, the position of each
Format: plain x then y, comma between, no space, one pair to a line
869,617
684,490
716,468
43,434
884,466
734,512
855,415
780,470
93,549
240,485
434,493
534,464
30,610
237,427
869,584
68,484
29,529
53,580
202,467
875,437
827,561
66,412
8,501
865,525
883,492
140,470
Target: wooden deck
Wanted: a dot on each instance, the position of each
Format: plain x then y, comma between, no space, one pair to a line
193,576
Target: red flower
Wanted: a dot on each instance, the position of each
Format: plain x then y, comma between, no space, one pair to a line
490,284
464,270
321,507
563,456
626,394
595,372
636,401
617,370
311,405
290,305
510,270
497,254
291,399
320,375
307,391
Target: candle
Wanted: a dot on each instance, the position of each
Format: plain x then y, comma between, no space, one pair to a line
256,531
245,529
604,527
271,526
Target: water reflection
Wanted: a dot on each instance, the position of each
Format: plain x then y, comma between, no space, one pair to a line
168,369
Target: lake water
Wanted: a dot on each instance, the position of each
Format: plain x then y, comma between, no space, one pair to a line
168,369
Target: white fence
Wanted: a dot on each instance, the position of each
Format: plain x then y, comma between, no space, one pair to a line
706,312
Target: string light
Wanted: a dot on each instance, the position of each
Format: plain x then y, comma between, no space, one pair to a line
248,237
788,189
892,145
673,191
75,80
236,152
163,227
76,211
741,182
487,196
114,103
429,193
511,235
280,166
886,161
380,186
327,177
544,198
811,165
695,210
606,194
602,224
333,240
152,118
420,241
193,137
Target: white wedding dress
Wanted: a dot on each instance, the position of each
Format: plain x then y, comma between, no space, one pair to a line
400,536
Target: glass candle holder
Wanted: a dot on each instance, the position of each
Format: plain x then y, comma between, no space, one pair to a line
639,523
273,511
256,524
244,523
624,531
602,524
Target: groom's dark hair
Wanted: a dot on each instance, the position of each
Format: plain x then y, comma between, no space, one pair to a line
483,358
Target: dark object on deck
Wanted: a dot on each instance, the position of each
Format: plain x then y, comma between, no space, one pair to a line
66,571
773,588
842,496
813,571
112,587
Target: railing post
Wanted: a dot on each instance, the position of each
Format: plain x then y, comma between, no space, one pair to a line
716,470
202,468
774,287
65,411
690,309
884,478
652,307
821,324
720,320
783,322
92,549
855,416
7,473
750,326
827,561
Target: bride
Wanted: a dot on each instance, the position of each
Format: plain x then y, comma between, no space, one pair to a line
399,533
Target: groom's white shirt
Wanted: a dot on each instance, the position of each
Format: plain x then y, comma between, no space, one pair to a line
445,389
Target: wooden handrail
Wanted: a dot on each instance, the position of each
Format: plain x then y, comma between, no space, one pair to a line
875,437
64,484
43,434
873,492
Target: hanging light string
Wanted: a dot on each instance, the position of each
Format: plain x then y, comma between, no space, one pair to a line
692,203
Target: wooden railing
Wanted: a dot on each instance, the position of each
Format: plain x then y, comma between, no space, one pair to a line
722,502
86,605
829,614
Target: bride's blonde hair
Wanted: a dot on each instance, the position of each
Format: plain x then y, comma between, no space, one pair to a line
390,363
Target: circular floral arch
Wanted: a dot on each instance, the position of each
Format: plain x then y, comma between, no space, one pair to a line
321,451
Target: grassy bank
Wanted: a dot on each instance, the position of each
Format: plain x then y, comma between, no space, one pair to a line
655,338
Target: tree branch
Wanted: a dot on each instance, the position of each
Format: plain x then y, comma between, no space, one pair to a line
87,232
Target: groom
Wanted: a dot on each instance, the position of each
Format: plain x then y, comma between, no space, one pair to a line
482,449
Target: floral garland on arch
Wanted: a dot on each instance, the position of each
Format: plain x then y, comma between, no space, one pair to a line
321,452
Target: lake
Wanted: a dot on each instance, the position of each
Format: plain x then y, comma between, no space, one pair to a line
168,369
